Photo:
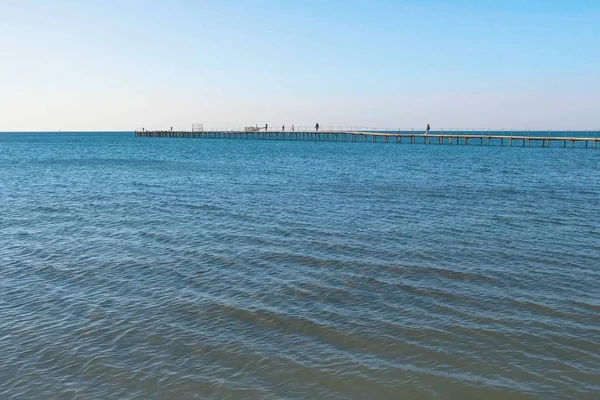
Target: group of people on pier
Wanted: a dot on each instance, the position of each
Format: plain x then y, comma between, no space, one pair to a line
283,128
427,129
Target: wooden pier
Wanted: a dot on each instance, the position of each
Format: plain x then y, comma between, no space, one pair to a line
413,138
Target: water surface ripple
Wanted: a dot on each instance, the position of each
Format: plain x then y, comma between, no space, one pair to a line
178,269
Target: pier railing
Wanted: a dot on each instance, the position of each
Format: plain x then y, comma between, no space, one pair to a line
440,131
524,138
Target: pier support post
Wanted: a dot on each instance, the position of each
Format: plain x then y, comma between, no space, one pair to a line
342,136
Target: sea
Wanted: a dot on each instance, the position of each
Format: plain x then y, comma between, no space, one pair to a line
146,268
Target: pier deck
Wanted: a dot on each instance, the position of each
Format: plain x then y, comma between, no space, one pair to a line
358,136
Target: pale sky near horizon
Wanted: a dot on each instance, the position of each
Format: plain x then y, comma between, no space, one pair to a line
124,65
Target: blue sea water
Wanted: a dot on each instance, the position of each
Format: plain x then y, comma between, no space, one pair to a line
138,268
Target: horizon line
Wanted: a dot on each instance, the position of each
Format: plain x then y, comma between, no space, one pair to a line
322,129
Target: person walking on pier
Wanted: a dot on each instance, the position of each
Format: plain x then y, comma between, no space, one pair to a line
292,128
283,128
317,127
427,130
266,127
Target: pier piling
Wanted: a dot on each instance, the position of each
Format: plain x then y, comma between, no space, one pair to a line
363,136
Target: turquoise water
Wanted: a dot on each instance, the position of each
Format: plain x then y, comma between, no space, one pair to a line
139,268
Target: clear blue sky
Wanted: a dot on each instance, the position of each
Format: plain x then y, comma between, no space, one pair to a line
122,65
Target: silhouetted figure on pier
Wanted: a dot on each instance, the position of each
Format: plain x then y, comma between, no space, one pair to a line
292,128
317,127
427,129
266,127
283,128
